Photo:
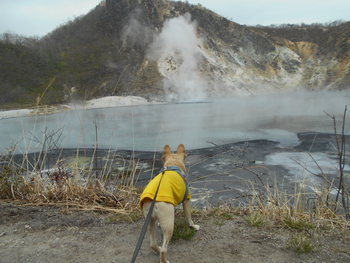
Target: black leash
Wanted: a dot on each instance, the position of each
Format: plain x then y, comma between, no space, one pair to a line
145,224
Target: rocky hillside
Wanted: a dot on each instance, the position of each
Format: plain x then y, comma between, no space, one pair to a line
171,50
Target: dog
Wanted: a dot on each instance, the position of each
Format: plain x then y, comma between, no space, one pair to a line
173,190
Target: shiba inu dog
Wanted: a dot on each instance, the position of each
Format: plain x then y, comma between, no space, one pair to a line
173,190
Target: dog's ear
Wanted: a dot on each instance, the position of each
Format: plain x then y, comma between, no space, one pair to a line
167,152
181,150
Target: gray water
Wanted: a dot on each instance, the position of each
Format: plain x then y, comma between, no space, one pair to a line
277,117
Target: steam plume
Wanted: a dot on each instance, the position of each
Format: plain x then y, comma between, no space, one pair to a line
177,50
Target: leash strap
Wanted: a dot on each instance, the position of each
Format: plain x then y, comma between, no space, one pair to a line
145,224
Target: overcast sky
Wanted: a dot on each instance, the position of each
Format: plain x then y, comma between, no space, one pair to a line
38,17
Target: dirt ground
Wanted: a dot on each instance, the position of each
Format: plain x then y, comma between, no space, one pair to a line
50,234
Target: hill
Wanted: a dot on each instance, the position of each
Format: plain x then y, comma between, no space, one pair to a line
171,50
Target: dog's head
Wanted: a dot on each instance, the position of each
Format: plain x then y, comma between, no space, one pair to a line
175,159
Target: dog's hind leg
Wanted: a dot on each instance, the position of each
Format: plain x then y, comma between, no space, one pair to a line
151,230
152,236
165,215
187,210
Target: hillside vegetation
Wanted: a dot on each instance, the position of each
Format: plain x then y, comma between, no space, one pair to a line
107,52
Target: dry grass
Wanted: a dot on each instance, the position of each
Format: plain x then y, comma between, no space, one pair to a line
255,219
223,212
299,224
76,189
294,210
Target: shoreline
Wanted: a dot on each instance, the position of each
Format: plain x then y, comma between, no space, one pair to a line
99,103
217,173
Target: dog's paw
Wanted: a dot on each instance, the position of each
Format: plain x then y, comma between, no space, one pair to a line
196,227
156,249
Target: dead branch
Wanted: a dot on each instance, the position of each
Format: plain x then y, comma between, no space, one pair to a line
340,143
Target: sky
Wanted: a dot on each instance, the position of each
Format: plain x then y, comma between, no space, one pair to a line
39,17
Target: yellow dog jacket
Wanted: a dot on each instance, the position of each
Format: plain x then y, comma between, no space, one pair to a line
172,188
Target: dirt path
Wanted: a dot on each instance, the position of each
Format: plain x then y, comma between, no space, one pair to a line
46,234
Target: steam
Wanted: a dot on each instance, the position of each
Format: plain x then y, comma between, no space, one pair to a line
134,33
177,50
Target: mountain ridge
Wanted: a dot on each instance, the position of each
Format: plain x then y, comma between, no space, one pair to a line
108,52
